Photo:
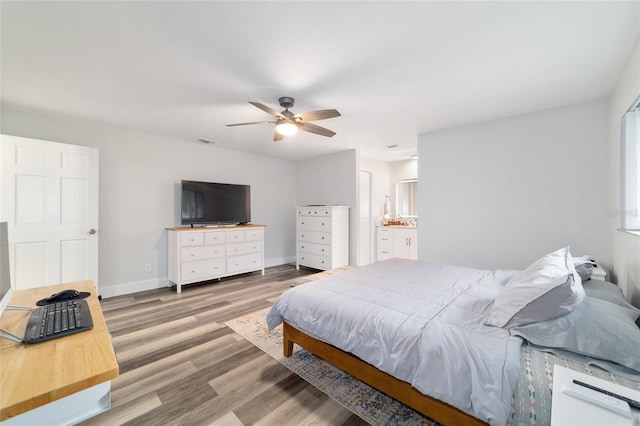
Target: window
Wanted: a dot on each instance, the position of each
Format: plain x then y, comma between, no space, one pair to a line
630,169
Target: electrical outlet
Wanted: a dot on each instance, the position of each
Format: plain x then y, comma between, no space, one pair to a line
148,267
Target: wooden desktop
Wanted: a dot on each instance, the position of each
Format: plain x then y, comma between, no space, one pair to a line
67,377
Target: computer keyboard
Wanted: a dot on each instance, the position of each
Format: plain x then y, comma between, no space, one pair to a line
57,320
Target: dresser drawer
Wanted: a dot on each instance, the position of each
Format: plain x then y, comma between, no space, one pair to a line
201,252
249,262
321,249
214,237
202,269
191,239
253,235
319,224
243,248
314,211
315,261
235,236
314,237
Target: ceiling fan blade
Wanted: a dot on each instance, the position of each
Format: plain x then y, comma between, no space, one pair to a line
268,110
321,114
312,128
252,122
277,136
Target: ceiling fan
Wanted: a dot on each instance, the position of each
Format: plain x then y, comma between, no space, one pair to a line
288,123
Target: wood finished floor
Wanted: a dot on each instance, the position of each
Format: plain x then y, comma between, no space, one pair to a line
181,365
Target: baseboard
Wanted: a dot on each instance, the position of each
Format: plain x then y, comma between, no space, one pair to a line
133,287
279,261
155,283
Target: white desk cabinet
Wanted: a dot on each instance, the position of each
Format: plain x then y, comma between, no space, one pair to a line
322,234
202,254
567,410
396,241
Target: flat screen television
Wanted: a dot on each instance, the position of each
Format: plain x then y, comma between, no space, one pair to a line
210,203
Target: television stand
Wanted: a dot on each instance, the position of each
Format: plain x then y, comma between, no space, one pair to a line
203,254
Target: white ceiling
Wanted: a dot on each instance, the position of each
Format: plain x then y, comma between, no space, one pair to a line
393,69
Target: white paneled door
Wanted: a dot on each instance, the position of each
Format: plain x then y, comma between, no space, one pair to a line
50,200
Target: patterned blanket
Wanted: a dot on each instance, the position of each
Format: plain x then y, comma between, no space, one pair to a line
532,399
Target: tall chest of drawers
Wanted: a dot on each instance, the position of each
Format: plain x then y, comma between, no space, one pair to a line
322,234
201,254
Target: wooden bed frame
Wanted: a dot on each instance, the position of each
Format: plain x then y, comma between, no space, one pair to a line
397,389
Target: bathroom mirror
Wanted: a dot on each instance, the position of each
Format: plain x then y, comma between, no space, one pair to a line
407,198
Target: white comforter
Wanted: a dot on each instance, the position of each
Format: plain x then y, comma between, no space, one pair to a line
422,323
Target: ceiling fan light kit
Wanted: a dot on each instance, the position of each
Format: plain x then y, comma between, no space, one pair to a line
286,128
288,123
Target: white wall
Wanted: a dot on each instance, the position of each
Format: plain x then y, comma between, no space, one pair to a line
139,193
625,247
501,194
332,180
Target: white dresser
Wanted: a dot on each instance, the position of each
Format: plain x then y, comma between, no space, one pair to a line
201,254
322,234
396,241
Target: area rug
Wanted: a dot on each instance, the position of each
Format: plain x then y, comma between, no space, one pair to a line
358,397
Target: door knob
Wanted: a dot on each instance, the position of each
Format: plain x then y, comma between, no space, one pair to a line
92,231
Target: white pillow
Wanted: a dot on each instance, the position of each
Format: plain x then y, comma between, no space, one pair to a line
548,288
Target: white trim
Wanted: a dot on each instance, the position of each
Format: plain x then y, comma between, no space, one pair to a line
133,287
626,231
156,283
630,170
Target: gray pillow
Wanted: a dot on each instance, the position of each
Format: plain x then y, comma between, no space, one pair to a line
595,328
604,290
548,288
585,270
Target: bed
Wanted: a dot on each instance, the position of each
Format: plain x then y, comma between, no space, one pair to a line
420,333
